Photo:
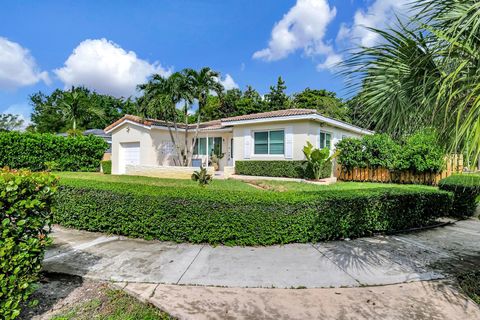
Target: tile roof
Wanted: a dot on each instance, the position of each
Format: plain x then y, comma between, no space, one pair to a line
271,114
209,125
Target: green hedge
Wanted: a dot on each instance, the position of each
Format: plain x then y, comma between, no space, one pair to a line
25,211
278,168
466,190
106,166
36,151
200,215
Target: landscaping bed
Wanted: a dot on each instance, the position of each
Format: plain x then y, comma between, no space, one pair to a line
234,213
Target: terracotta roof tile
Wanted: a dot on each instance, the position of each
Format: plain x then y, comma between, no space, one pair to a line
271,114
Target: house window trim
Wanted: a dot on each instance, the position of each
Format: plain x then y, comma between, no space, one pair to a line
268,154
320,131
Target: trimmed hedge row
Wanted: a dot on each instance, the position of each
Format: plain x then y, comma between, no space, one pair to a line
42,151
466,190
198,215
278,168
25,211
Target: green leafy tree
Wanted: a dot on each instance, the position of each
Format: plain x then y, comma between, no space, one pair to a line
277,99
425,74
326,102
9,122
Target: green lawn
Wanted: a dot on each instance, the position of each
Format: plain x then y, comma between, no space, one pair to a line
233,185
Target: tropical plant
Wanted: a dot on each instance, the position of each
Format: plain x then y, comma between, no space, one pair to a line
202,177
317,159
425,73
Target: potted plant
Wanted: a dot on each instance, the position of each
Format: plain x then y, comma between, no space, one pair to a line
216,156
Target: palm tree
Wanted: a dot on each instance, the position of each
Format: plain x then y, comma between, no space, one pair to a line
202,83
74,108
160,99
425,73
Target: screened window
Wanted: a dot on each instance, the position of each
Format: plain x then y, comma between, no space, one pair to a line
214,145
200,147
269,142
325,140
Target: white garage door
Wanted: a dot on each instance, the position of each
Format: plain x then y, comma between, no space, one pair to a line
130,155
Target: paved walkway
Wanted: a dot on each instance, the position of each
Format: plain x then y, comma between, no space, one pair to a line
409,275
382,260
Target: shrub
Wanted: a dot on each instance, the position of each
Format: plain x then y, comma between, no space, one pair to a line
36,151
466,190
106,166
253,217
317,160
25,210
421,153
202,177
279,168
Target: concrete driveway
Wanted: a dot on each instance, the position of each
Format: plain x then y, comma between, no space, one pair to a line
414,269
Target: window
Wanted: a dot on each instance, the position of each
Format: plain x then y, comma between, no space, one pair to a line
201,146
325,140
269,142
231,148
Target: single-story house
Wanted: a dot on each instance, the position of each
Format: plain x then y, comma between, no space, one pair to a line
277,135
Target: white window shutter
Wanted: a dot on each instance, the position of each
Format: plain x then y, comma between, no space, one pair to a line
288,143
247,144
318,138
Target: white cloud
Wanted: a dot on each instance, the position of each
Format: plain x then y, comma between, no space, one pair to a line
379,14
104,66
228,82
18,67
302,28
23,110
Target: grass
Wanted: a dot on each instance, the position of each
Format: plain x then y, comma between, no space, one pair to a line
233,185
112,305
470,284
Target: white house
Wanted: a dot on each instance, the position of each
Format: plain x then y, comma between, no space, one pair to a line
144,145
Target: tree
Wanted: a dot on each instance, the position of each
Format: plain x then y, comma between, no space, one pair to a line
326,102
10,122
201,82
425,74
277,99
48,110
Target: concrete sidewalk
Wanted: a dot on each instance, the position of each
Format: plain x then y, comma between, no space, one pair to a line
427,255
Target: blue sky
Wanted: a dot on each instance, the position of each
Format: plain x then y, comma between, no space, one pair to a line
110,46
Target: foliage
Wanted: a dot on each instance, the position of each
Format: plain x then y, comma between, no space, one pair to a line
106,166
325,102
161,96
419,152
234,217
470,284
317,160
95,110
466,190
36,150
9,122
277,99
202,177
424,74
279,168
25,211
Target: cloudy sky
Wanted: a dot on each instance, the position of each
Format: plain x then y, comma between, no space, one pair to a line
110,46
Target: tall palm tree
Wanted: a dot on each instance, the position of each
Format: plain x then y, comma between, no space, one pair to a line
425,73
202,83
74,108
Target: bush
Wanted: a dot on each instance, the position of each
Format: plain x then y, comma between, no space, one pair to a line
25,210
37,151
419,152
106,166
466,190
198,215
278,168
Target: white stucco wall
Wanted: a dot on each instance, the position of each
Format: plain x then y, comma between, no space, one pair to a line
302,131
